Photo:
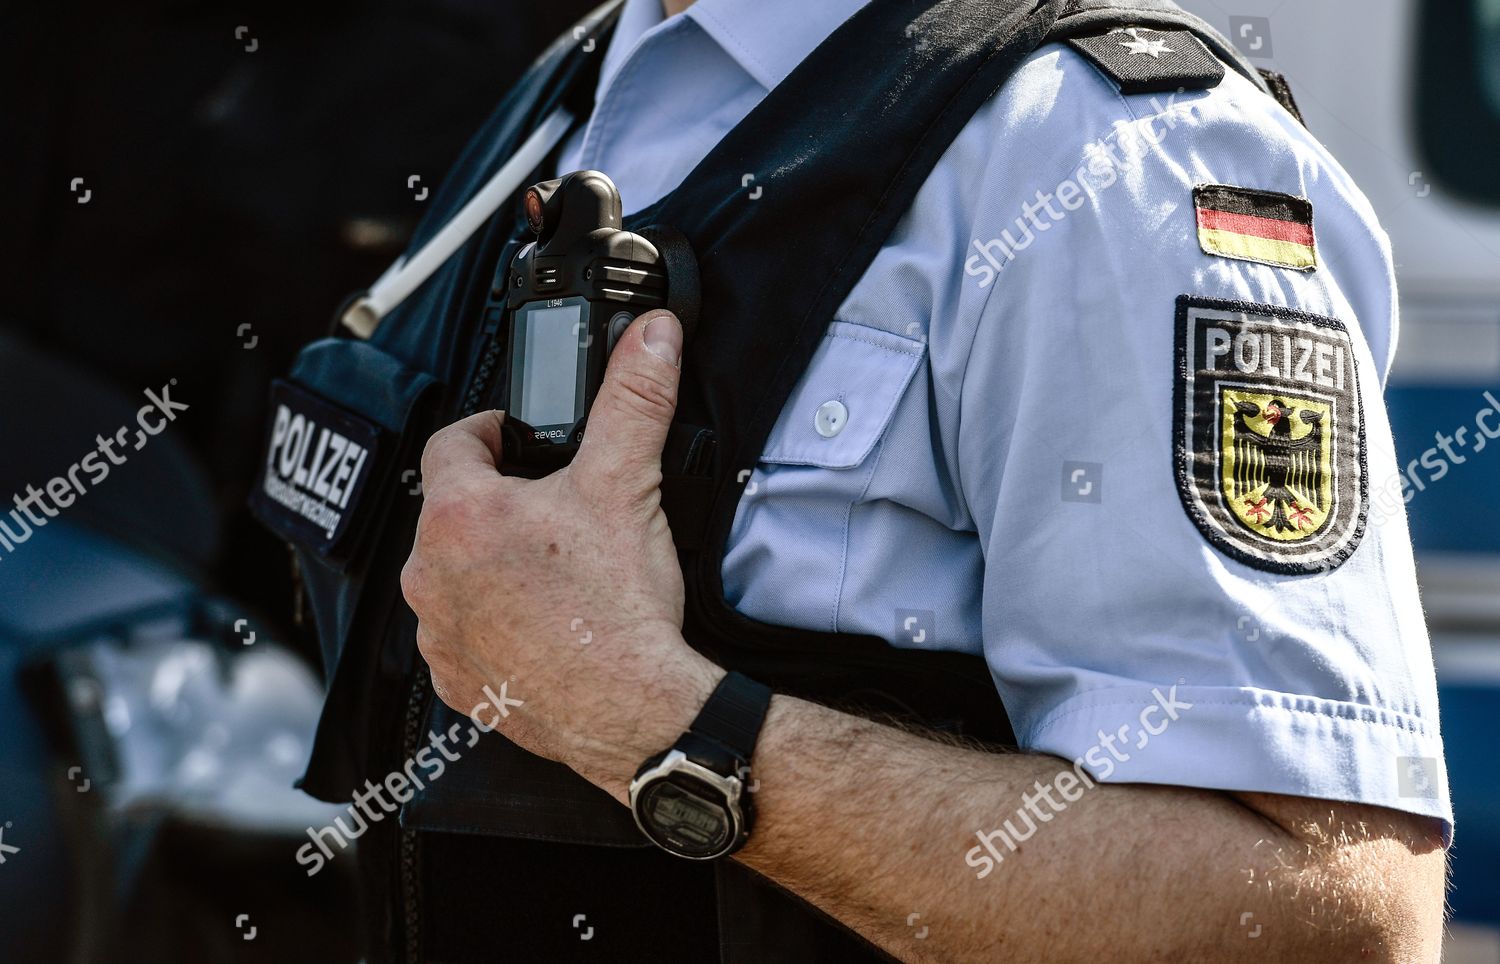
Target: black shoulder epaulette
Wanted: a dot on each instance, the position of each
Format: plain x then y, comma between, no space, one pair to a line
1146,61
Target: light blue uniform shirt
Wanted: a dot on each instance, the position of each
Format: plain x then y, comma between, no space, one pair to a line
980,455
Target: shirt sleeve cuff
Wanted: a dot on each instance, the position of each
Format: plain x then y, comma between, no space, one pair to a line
1253,740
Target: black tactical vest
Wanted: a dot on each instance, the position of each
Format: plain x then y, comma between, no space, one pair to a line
511,857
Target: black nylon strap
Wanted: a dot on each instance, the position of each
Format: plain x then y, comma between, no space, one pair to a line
682,274
734,713
1281,89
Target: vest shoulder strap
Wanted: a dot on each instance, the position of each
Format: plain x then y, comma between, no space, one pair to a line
1281,89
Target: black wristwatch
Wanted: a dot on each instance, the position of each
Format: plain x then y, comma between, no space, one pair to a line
694,799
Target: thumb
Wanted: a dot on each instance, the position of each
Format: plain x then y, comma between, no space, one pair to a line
627,426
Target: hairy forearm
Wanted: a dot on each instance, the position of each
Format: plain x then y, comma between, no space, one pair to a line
872,825
875,825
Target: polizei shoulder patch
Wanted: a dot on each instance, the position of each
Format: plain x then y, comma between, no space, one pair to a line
1145,61
1259,226
1270,434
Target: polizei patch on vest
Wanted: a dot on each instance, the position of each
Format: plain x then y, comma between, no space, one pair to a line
1258,226
318,457
1269,434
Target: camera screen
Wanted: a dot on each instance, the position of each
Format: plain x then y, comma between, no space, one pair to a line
551,389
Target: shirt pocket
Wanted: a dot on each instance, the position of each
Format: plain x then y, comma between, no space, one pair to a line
789,546
845,400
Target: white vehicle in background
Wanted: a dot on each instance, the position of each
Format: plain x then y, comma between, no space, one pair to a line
1406,94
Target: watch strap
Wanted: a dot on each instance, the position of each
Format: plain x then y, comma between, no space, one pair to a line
734,714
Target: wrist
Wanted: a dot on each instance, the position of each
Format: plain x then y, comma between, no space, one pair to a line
695,800
647,718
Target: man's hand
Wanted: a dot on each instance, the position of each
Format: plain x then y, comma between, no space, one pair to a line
568,585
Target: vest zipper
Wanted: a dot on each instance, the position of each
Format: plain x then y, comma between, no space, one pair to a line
299,589
421,688
416,708
484,375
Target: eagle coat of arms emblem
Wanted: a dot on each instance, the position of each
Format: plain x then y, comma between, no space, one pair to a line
1270,434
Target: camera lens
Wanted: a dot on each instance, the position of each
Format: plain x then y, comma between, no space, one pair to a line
534,211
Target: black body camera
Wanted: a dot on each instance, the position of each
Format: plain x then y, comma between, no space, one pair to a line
571,293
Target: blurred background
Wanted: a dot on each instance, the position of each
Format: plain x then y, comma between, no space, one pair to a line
194,189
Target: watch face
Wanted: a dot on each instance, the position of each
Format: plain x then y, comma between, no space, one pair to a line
686,817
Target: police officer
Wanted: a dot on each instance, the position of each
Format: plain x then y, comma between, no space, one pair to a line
1104,409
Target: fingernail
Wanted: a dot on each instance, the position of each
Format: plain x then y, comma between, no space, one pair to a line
664,338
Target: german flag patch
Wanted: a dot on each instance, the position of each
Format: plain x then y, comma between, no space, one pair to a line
1258,226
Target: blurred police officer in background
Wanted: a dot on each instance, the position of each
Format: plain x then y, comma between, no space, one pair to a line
1044,415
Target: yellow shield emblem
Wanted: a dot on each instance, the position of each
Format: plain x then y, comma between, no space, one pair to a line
1277,464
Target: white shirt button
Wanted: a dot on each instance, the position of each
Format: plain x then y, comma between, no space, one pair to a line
830,419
